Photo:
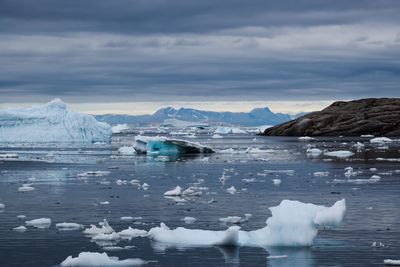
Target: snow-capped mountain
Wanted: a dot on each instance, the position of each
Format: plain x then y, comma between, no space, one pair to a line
256,117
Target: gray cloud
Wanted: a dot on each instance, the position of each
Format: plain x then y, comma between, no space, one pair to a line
124,50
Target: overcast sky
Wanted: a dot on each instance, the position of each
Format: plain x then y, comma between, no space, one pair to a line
133,56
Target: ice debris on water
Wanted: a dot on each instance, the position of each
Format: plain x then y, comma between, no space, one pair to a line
99,260
39,223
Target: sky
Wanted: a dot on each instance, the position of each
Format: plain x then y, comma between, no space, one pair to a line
135,56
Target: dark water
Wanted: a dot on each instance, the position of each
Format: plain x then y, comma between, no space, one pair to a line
373,210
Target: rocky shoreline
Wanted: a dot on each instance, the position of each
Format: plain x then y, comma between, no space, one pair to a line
372,116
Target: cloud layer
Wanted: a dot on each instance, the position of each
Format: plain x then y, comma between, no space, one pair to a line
130,50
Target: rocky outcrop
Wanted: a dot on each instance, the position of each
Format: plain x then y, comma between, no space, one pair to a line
376,116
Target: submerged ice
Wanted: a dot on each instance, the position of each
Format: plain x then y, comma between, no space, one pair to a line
52,122
292,223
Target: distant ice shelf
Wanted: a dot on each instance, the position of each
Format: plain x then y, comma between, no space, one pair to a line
52,122
159,145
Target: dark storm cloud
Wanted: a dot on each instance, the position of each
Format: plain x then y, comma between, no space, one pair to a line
166,16
95,50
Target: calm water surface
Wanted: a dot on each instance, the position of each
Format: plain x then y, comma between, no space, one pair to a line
60,194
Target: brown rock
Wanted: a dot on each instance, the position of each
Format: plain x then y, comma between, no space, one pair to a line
376,116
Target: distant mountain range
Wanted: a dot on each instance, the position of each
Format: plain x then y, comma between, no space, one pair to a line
256,117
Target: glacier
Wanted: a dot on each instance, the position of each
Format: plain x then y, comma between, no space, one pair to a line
159,145
51,122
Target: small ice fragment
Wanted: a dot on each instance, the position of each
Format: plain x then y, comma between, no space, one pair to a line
20,228
26,188
174,192
145,186
127,151
2,206
274,257
231,219
106,237
231,190
380,140
69,226
21,217
94,230
99,259
105,203
391,262
127,218
339,154
93,173
276,181
189,220
131,233
39,223
321,174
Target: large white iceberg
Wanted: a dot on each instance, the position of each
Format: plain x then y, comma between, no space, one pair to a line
160,145
52,122
292,223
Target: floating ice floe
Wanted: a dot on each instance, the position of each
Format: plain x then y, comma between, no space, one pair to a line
99,260
217,136
21,217
127,151
358,146
164,145
389,159
116,248
26,188
2,206
235,219
126,218
65,226
189,220
39,223
20,228
119,128
106,237
391,262
145,186
52,122
339,154
313,152
274,257
321,174
132,233
93,173
104,203
231,190
94,230
367,135
372,180
276,181
381,140
292,223
177,191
